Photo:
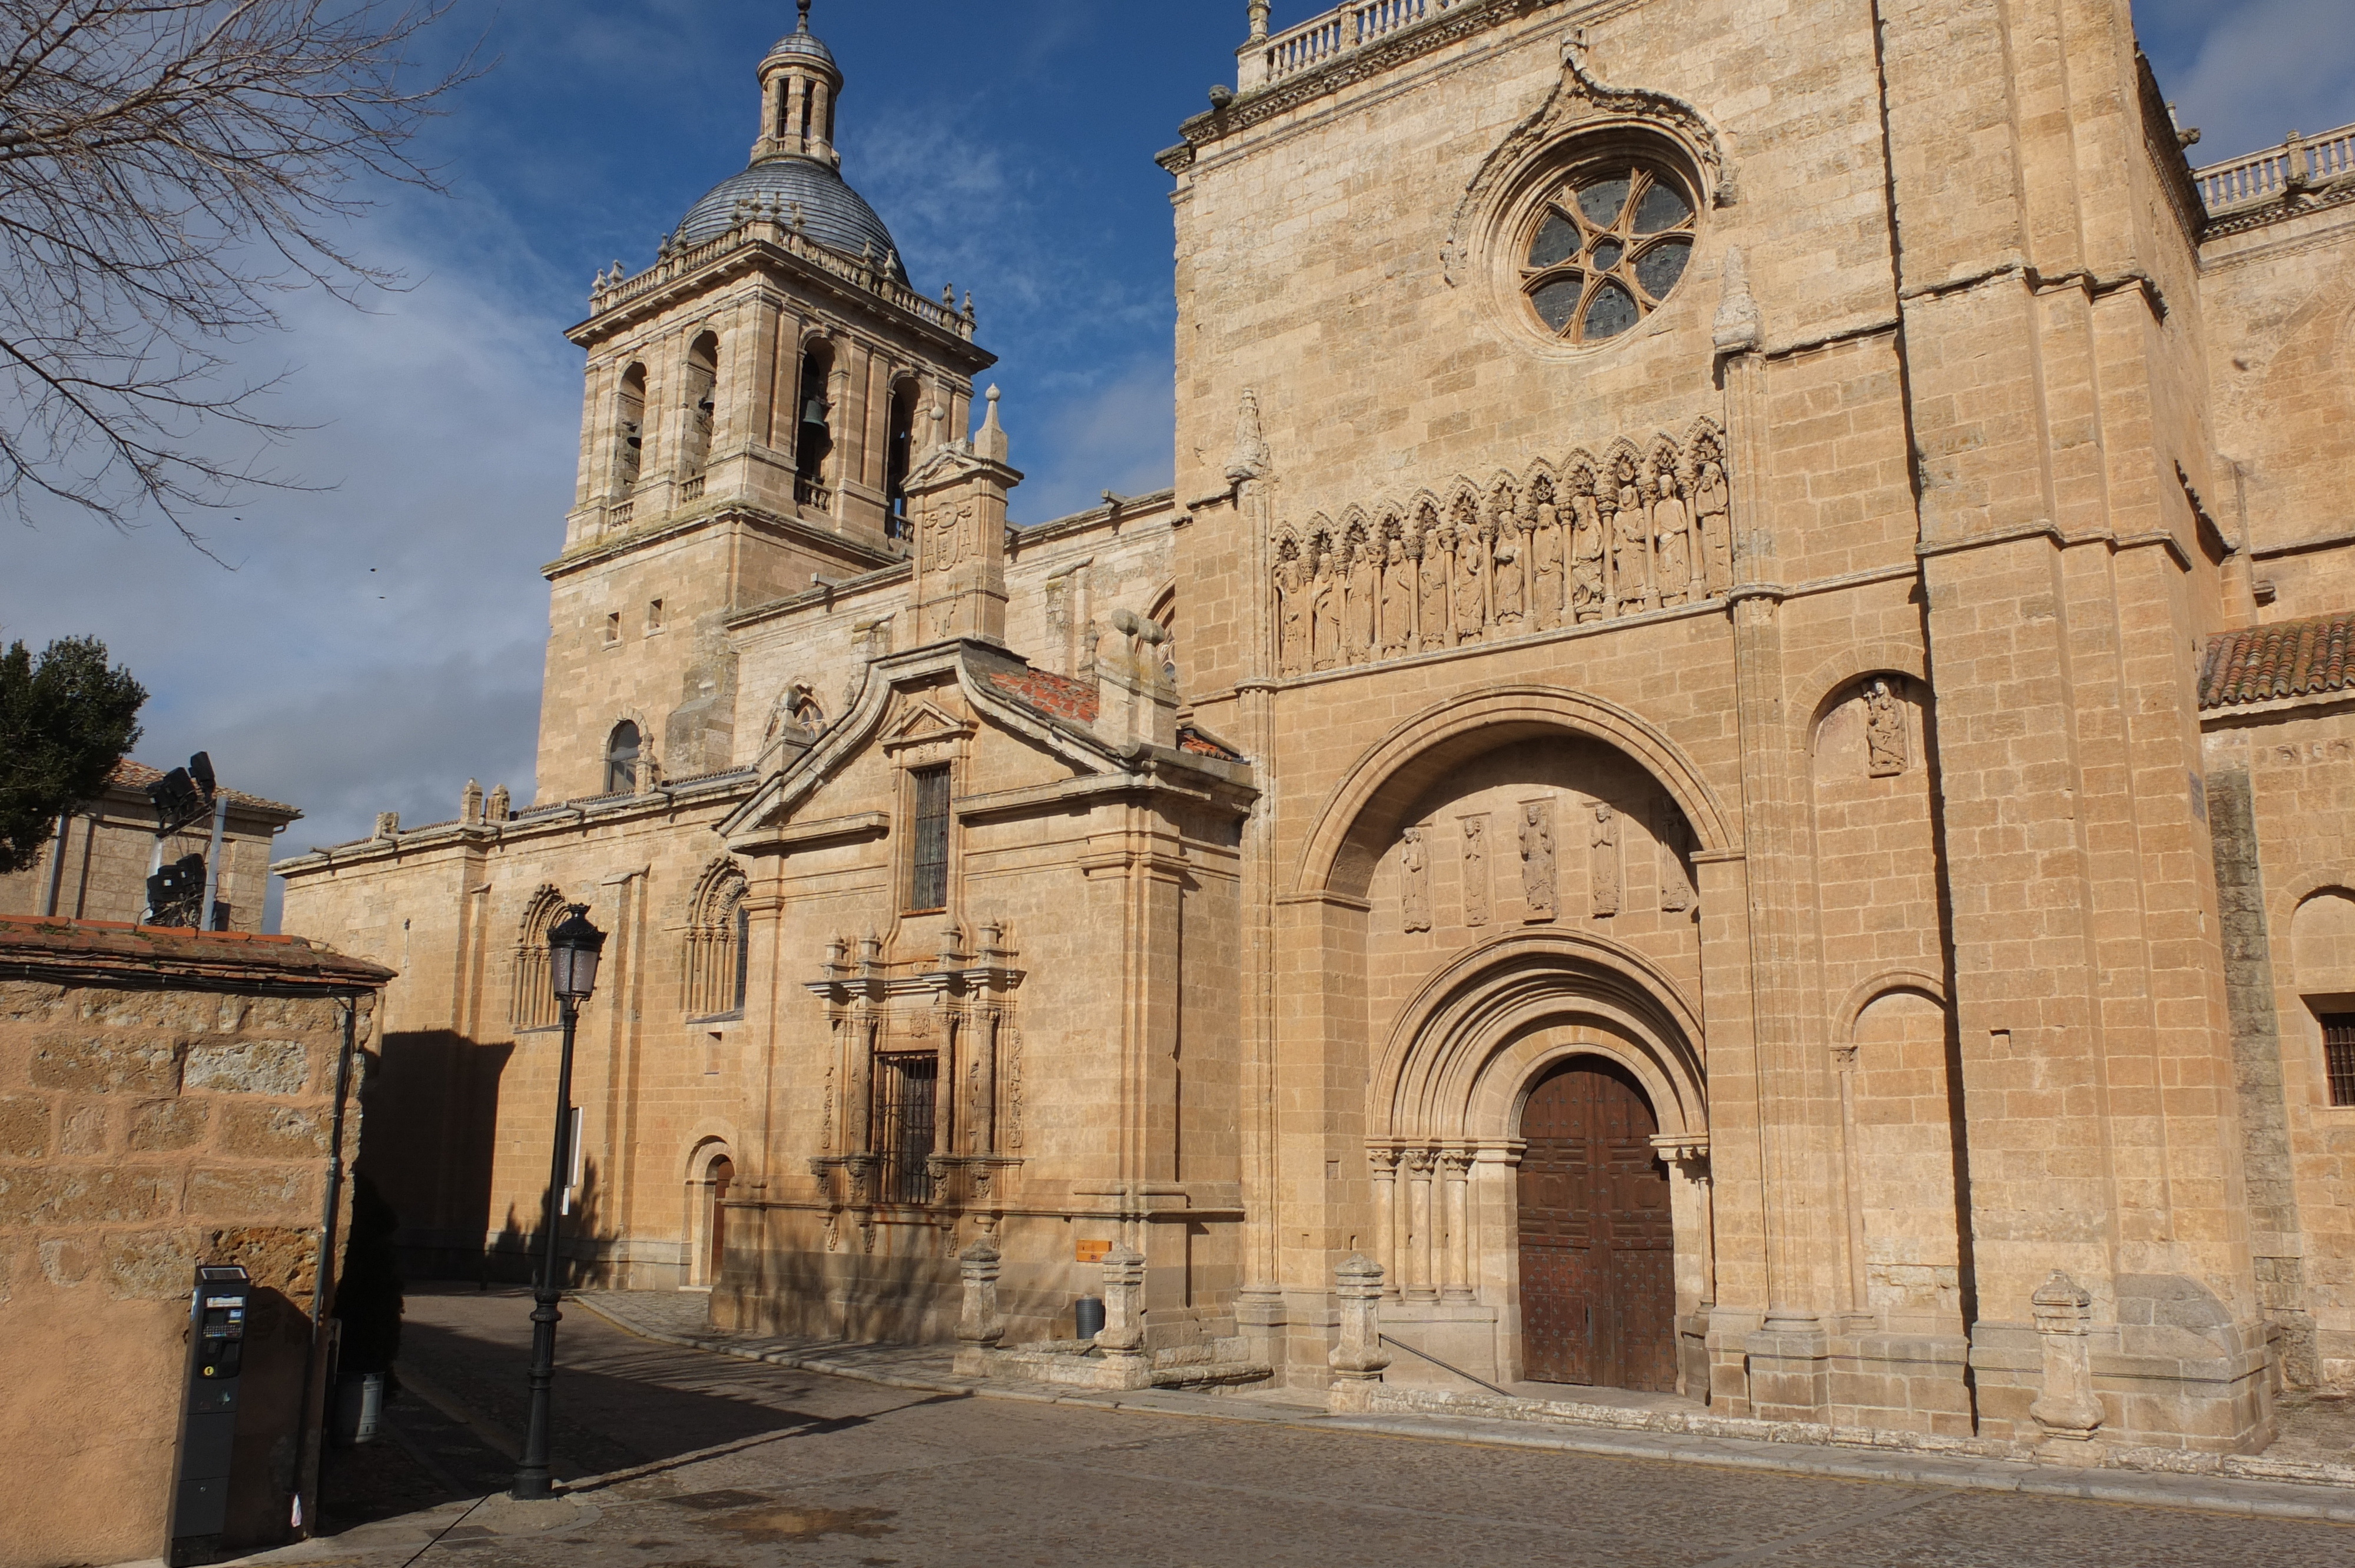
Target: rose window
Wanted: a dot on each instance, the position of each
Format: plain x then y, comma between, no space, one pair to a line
1608,248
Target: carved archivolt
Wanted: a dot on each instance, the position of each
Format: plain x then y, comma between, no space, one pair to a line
1640,527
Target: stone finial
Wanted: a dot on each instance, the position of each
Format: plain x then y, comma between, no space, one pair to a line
870,951
1259,9
1136,702
469,804
1252,459
388,824
500,807
990,440
1741,326
2297,174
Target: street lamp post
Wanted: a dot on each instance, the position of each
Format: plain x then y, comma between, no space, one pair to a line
572,953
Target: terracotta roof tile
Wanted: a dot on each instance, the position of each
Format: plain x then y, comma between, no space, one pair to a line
1201,744
1057,696
2289,659
44,943
133,775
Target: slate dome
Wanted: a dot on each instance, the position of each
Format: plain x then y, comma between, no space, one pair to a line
832,213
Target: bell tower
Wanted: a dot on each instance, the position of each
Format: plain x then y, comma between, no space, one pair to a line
748,427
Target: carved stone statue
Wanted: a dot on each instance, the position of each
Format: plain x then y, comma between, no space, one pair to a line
1476,870
1545,568
1434,591
1672,528
1602,875
1586,586
1324,610
1710,507
1676,877
1415,876
1364,591
1538,859
1884,729
1470,584
1397,602
1507,584
1292,618
1631,555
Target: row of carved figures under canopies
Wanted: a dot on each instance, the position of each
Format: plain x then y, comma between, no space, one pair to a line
1640,528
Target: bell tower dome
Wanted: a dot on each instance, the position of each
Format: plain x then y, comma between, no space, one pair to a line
800,85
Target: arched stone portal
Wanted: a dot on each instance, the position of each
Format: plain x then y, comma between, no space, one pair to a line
1456,1163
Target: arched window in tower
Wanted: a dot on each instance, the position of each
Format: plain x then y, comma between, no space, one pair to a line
534,1005
621,750
900,457
630,427
702,403
813,443
718,951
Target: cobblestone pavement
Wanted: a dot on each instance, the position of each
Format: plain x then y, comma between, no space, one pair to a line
705,1461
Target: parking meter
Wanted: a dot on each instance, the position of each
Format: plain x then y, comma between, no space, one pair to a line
217,1319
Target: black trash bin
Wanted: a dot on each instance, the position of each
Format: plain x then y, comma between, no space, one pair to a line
1088,1312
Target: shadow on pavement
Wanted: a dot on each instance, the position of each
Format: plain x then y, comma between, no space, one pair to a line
455,1421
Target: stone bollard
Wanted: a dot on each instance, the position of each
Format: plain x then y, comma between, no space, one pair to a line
2069,1411
1358,1360
1121,1341
980,1325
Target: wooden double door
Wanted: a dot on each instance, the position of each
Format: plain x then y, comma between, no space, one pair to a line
1598,1251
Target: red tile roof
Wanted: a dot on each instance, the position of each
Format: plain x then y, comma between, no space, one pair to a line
131,775
90,947
1201,744
2289,658
1059,695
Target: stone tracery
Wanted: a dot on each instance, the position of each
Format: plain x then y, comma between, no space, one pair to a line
1640,528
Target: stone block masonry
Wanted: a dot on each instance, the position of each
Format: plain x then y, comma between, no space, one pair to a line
167,1098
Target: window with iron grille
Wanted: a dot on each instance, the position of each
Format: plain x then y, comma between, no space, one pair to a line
905,1089
2339,1055
928,878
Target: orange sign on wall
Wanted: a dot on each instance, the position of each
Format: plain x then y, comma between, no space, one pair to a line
1093,1251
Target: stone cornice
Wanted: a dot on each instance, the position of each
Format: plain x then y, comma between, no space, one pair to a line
718,512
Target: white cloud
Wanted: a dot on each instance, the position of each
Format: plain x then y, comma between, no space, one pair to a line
2259,69
376,643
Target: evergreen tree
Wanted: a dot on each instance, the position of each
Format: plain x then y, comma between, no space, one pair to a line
66,719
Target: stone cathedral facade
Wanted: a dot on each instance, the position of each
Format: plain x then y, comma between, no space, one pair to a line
1731,757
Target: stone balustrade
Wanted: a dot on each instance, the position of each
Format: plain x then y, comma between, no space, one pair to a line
2299,164
1323,38
776,229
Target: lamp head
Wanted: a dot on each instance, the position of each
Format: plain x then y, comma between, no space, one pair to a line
573,948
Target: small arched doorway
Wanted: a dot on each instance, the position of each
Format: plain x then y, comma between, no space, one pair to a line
1597,1247
722,1173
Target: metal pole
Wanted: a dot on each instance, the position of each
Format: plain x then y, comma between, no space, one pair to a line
212,860
314,1417
531,1479
58,867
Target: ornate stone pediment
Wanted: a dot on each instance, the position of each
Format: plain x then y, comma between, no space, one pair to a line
925,732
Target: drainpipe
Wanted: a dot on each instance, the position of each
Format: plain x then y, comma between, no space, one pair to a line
313,1417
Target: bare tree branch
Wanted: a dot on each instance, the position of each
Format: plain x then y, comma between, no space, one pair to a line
170,171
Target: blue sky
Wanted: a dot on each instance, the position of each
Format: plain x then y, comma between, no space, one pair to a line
380,642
